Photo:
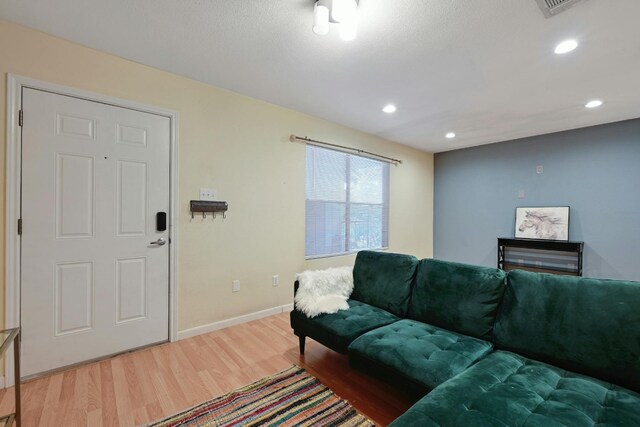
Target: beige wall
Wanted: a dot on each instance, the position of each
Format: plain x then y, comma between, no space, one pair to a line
239,146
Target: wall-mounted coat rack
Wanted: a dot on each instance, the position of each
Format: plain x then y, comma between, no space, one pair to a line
205,206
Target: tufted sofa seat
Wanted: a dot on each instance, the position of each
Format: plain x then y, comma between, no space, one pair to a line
416,355
338,330
505,389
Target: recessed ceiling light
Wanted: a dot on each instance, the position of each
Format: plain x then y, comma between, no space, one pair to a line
593,104
389,108
450,135
566,47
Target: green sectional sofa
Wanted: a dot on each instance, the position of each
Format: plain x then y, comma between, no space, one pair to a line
489,348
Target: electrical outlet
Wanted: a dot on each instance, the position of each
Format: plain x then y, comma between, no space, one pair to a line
208,194
539,264
236,286
275,280
520,194
539,169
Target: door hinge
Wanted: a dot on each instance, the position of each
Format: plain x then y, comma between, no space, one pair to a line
20,226
20,118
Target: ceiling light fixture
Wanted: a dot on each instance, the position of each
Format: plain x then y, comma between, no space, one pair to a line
593,104
450,135
342,12
389,108
320,19
566,47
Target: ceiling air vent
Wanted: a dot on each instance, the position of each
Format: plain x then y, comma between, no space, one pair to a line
553,7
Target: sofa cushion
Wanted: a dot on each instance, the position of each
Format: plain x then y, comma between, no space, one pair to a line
591,326
420,353
459,297
338,330
384,279
505,389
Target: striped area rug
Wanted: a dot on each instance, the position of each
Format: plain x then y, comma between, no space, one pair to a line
290,398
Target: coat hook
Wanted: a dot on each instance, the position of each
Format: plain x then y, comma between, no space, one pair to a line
205,206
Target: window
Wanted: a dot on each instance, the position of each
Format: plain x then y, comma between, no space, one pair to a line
347,203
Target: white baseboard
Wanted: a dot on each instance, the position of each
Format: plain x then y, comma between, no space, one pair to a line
287,308
199,330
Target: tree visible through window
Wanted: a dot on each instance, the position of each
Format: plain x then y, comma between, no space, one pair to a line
347,202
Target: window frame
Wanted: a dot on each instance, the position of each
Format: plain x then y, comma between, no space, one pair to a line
386,184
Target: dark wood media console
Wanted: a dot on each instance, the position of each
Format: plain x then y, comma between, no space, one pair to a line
546,256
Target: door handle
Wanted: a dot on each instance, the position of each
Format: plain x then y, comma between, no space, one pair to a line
159,242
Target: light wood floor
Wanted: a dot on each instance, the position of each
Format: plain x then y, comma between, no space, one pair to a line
149,384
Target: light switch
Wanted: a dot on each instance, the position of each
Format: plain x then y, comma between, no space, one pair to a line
208,194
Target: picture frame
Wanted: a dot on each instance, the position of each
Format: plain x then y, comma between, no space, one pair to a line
542,223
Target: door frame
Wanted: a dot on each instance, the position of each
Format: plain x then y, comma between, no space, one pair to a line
13,195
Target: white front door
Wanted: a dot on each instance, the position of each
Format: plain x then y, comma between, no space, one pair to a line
93,178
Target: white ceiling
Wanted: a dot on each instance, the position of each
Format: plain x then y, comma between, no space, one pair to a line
484,69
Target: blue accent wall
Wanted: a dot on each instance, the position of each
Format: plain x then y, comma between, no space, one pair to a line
595,171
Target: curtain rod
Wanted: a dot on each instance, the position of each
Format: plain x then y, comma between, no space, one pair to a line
294,138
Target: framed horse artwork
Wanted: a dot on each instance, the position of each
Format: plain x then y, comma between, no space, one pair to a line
544,223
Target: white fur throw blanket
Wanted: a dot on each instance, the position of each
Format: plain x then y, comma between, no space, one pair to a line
324,291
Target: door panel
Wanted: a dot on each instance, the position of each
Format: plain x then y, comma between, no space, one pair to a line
75,127
75,199
94,176
131,289
73,297
132,135
131,208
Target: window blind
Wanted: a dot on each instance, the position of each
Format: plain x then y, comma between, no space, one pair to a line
347,202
